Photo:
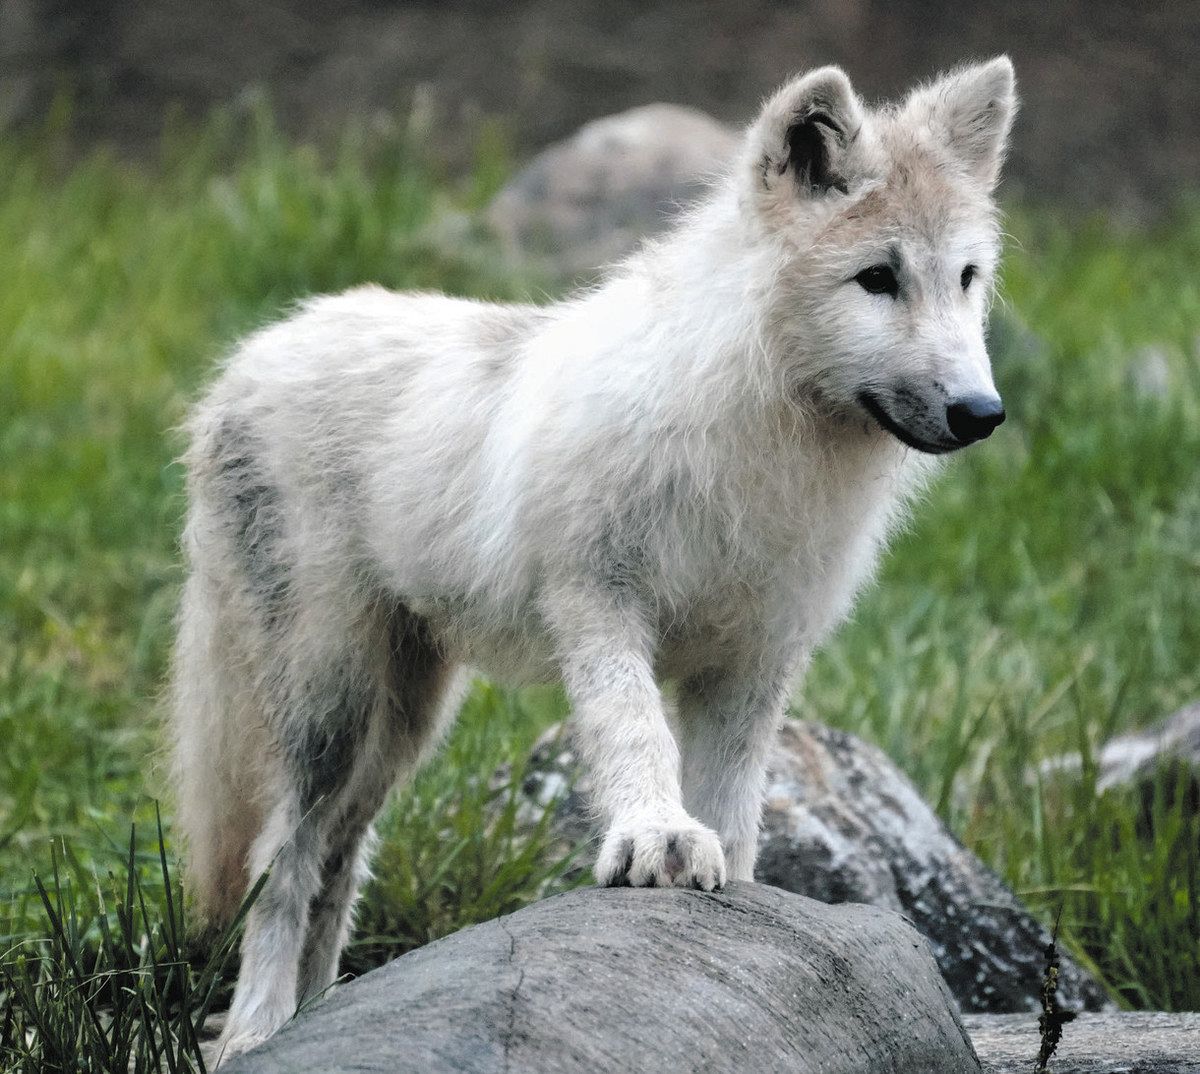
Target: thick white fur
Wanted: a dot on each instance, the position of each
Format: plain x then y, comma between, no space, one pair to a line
669,477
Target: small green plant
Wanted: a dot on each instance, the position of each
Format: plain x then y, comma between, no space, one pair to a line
1053,1017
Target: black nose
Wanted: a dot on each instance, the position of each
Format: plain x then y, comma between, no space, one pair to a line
974,417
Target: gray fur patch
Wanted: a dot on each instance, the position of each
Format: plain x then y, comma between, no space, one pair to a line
330,719
329,725
253,504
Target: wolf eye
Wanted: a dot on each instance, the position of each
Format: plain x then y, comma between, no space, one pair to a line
878,280
968,274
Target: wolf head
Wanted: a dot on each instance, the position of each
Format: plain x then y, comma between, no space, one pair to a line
883,242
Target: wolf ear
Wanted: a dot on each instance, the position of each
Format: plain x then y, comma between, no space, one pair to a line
971,112
803,136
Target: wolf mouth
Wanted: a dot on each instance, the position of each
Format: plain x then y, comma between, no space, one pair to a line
888,424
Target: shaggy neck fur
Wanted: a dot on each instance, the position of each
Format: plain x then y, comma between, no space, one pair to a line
685,360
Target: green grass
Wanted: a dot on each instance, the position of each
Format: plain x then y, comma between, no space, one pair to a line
1044,599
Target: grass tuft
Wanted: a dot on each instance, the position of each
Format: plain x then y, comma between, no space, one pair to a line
113,983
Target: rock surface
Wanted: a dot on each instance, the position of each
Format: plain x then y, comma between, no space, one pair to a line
587,201
750,979
1136,759
1110,1043
843,824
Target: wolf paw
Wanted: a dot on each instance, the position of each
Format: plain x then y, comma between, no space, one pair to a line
235,1040
684,855
227,1047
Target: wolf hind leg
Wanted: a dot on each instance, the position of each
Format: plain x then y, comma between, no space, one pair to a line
419,694
331,912
290,850
345,737
265,995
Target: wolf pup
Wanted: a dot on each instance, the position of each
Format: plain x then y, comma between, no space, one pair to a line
684,474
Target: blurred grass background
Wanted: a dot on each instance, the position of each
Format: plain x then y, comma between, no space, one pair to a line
1044,598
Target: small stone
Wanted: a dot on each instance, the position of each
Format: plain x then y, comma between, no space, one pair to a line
1149,373
1135,759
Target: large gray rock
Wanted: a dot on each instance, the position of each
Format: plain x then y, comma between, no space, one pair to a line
749,979
587,201
1130,1042
843,824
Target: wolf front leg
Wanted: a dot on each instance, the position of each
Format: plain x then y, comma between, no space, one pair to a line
728,723
605,658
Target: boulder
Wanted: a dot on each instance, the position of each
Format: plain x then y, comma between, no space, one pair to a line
1127,1042
748,979
843,824
587,201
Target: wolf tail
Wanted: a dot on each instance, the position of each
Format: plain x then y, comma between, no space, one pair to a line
220,756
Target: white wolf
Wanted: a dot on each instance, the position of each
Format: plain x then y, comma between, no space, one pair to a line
681,475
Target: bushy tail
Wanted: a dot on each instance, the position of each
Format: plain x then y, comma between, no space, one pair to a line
219,758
